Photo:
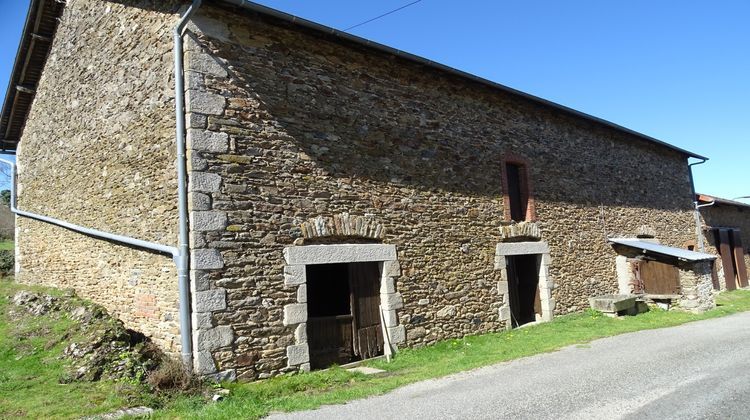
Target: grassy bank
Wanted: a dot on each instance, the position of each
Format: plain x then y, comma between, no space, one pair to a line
307,391
30,366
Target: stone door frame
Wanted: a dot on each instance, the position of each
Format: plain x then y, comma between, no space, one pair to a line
297,258
507,249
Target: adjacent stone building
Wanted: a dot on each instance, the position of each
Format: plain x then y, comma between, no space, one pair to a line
344,197
723,222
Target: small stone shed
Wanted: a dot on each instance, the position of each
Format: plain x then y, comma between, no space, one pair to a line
664,274
338,197
723,223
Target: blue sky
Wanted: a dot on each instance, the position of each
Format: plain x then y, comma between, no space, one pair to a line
675,70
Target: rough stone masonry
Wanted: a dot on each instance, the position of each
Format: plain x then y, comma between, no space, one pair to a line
299,139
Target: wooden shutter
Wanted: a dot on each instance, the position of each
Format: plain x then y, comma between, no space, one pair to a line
515,192
364,280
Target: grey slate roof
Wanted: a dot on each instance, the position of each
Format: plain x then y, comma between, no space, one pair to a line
13,118
650,247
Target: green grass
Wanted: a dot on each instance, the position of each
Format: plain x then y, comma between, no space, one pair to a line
30,366
333,386
6,245
30,369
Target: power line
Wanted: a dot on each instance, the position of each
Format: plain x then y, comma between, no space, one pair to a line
383,15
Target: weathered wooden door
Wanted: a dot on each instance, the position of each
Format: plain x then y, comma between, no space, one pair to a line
657,278
739,257
329,320
364,284
729,244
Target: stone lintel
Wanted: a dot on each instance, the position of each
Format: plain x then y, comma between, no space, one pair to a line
332,254
521,248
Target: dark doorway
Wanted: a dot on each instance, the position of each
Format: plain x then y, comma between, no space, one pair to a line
343,313
523,287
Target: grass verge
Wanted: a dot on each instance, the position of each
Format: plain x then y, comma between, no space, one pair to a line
30,366
333,386
6,245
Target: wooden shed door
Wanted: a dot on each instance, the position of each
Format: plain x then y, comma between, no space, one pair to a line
364,283
658,278
729,244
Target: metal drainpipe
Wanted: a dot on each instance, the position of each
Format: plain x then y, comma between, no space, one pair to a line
697,207
183,259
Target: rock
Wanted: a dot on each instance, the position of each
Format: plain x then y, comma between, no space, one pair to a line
447,312
123,412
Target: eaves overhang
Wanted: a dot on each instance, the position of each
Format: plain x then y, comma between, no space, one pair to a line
33,49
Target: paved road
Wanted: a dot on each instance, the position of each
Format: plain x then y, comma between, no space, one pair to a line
695,371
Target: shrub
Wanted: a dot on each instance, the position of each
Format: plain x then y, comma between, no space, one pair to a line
171,375
7,261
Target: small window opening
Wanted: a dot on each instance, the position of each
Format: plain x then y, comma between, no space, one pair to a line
517,194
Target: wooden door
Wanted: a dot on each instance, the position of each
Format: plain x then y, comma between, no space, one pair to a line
727,259
658,278
739,257
364,284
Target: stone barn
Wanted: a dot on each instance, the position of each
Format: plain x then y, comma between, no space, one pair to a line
262,194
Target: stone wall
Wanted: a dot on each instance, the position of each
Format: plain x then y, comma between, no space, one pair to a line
98,151
288,126
725,216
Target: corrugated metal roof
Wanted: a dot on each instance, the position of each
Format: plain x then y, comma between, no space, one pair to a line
670,251
705,198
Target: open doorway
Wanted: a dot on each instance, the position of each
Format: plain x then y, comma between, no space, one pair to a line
523,288
343,322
